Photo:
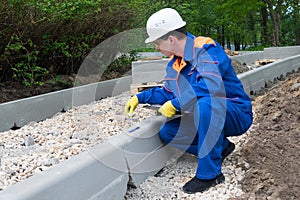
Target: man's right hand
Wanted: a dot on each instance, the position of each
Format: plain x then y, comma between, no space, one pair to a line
131,105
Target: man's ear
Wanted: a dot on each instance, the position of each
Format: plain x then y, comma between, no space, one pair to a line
172,39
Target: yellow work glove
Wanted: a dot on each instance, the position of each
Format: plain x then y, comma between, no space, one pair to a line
167,109
131,105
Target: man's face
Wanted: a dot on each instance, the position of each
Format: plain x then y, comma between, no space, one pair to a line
164,46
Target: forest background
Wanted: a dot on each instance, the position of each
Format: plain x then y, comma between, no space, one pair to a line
43,41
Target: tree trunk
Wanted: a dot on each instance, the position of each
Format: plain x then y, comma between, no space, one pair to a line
264,23
275,12
252,28
297,22
223,36
297,33
276,42
237,45
228,44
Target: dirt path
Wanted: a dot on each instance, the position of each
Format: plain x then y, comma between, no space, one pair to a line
273,147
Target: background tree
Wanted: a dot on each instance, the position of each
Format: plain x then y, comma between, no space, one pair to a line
265,38
295,8
275,9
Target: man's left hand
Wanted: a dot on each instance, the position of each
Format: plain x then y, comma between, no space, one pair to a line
167,109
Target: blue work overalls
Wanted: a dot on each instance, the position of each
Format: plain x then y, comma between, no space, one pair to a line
203,84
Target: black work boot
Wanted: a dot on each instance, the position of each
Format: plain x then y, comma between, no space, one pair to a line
228,150
197,185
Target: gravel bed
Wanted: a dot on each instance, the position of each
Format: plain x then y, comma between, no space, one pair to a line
167,184
38,146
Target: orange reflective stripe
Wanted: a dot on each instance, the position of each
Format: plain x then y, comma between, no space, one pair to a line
201,41
179,64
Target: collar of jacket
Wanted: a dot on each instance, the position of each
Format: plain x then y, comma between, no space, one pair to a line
178,62
192,44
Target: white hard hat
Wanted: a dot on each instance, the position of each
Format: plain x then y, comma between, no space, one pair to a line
162,22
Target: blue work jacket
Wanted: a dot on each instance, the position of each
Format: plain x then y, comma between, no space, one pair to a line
204,71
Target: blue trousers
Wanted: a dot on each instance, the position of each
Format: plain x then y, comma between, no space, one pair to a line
204,133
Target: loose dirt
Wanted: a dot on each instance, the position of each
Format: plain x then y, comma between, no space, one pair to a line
274,143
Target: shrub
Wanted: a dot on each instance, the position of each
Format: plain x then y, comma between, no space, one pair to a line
52,36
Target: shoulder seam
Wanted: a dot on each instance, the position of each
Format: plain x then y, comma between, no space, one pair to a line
201,41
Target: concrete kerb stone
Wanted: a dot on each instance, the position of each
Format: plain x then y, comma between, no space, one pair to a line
281,52
252,80
256,79
249,58
82,95
37,108
143,151
120,85
81,177
6,117
115,190
148,71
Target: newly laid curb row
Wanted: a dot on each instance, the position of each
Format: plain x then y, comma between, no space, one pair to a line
20,112
105,170
254,80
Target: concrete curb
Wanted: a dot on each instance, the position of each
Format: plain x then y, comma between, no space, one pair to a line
258,78
81,177
281,52
103,171
37,108
249,58
148,71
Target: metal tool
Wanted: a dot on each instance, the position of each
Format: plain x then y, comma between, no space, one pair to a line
155,107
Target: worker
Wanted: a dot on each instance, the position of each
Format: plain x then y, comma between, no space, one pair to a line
202,85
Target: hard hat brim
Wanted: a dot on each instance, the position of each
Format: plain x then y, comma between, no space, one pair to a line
152,39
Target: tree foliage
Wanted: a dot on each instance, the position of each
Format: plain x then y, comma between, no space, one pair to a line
43,37
52,36
239,23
